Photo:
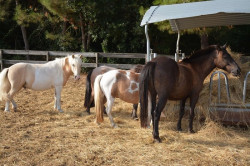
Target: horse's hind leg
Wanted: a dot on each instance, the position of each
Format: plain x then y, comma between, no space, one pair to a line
110,103
7,106
134,112
157,113
11,94
90,104
181,113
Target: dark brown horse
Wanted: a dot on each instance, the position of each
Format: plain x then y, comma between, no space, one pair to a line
89,92
165,78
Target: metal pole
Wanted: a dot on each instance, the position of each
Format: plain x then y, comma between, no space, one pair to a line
219,89
245,87
177,47
148,43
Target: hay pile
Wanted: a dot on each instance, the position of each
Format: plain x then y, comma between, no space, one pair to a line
38,135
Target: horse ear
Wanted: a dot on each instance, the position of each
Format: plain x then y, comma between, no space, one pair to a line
73,56
224,46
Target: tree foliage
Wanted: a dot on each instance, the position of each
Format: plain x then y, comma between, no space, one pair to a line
102,26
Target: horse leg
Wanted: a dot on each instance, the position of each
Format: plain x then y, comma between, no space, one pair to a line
55,103
7,106
150,108
90,104
110,103
58,90
193,101
157,113
134,112
11,94
181,113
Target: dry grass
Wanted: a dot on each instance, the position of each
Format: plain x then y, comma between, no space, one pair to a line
38,135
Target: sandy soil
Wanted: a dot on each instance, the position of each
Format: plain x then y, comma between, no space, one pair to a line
39,135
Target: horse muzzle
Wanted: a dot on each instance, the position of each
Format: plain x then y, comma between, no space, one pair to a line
236,72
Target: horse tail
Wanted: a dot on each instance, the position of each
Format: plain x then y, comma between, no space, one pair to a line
88,91
4,84
146,82
99,99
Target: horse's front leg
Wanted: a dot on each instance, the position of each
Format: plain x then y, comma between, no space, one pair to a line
181,113
193,101
57,105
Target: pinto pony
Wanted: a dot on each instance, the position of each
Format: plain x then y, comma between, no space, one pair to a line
115,84
165,78
89,92
53,74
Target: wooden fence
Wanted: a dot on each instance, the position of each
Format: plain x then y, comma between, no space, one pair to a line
50,55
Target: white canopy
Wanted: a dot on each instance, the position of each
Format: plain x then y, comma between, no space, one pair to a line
200,14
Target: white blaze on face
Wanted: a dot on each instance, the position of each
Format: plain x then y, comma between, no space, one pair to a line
75,62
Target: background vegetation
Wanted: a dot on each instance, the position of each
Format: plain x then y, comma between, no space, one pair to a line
102,26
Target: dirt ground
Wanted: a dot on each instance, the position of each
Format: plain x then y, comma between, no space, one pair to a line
39,135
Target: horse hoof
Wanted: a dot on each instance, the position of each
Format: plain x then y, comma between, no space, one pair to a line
6,110
135,118
179,129
61,111
88,112
191,131
115,126
157,140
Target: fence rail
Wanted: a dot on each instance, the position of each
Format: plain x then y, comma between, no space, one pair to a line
94,55
52,54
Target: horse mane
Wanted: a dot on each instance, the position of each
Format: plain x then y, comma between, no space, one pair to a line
200,53
60,60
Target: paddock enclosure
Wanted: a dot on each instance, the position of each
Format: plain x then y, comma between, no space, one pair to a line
38,135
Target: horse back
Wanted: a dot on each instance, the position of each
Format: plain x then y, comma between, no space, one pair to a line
99,70
171,79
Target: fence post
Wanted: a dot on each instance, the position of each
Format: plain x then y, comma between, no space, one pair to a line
1,59
96,59
47,56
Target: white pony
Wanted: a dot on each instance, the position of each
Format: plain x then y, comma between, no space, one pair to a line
53,74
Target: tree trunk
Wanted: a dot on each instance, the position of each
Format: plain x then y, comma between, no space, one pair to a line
204,41
25,39
88,41
64,27
84,44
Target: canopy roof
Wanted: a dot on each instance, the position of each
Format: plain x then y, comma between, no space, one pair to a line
200,14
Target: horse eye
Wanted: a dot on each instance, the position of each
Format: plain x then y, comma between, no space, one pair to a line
73,65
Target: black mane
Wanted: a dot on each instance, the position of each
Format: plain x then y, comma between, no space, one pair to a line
200,53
